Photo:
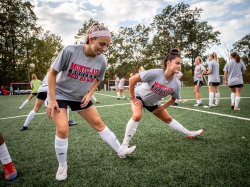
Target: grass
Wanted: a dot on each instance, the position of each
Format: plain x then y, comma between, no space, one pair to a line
162,158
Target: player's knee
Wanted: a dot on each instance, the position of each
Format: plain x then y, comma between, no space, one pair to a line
168,120
136,118
62,133
98,125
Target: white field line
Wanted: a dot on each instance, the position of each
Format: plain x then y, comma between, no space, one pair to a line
182,98
214,113
196,110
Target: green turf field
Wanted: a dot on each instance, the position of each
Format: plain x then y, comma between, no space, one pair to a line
162,158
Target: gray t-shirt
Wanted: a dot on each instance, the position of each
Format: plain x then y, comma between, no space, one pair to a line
198,72
154,87
234,71
78,72
214,67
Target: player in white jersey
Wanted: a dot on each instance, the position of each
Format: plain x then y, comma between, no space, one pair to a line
121,88
213,80
156,84
117,80
198,80
82,68
233,71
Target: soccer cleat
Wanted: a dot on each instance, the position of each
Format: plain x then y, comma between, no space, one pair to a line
195,134
175,104
10,172
207,106
61,173
124,151
124,145
198,104
72,122
20,108
236,108
232,107
214,105
24,128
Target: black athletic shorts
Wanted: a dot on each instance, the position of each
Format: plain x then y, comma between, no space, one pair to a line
42,96
74,105
237,86
149,108
214,84
34,94
198,83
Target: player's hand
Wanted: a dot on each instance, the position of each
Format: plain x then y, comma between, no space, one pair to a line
52,108
85,100
137,102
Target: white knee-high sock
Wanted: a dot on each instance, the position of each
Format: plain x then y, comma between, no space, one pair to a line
24,103
68,112
199,101
211,98
217,98
29,118
178,127
61,148
93,99
46,102
4,154
237,101
232,98
109,137
130,131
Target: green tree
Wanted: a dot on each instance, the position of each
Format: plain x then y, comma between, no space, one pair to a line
17,20
179,26
243,48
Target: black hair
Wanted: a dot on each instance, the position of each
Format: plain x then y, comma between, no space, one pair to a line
173,54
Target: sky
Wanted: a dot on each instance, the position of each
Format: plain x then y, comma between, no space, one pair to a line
65,17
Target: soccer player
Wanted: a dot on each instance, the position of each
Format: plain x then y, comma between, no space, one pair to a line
213,80
40,99
117,80
9,169
198,80
35,84
233,71
82,68
178,76
121,88
156,84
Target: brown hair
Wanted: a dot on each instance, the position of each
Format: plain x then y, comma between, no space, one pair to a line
94,27
201,61
235,56
214,56
174,53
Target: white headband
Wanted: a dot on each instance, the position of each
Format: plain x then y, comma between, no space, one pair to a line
101,33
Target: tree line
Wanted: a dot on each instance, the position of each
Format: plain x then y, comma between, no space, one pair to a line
26,48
